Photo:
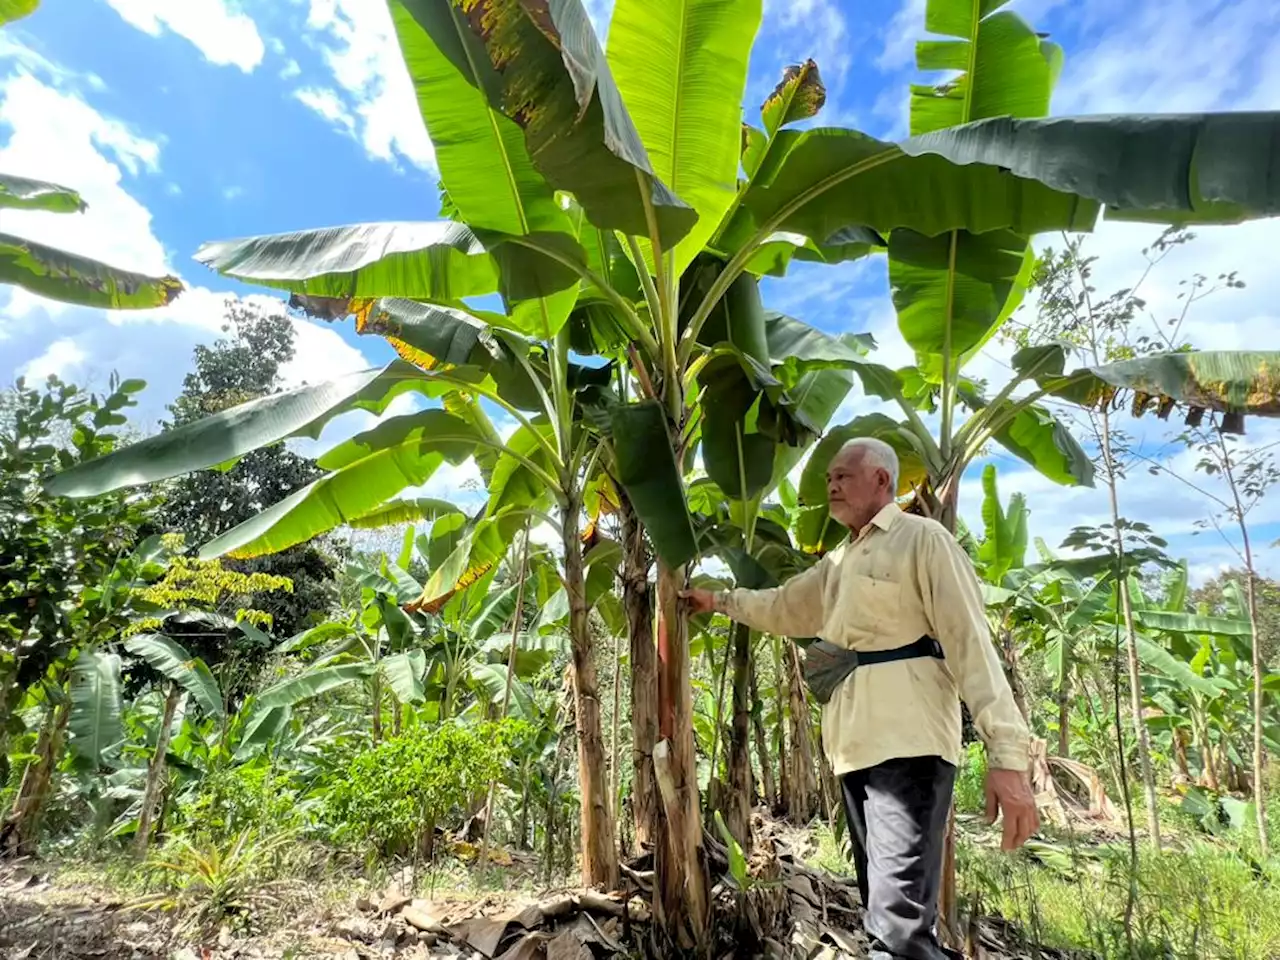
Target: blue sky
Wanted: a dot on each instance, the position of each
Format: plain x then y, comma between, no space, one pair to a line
183,121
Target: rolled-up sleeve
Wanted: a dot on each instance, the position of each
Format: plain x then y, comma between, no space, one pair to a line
954,607
794,609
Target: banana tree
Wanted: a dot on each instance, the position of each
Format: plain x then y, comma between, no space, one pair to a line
58,274
524,108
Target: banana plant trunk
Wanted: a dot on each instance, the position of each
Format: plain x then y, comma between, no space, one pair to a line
637,601
805,796
1064,720
768,788
156,771
21,831
738,811
599,849
681,905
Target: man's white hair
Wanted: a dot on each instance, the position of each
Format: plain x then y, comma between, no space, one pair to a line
876,452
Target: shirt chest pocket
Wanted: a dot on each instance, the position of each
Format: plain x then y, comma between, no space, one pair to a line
870,604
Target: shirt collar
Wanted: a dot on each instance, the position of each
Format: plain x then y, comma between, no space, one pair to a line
884,519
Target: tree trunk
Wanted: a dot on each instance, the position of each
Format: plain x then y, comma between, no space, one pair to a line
156,770
637,600
1064,720
780,731
599,849
805,798
1209,773
1009,647
768,787
1259,671
377,709
738,814
21,832
1180,753
681,906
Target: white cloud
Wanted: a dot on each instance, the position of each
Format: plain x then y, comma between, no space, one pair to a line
232,193
359,47
321,354
290,70
57,136
329,105
60,359
225,35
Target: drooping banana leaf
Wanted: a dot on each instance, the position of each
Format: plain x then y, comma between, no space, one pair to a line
70,278
543,68
1164,168
366,471
289,693
396,512
432,260
171,659
302,411
95,706
647,470
19,193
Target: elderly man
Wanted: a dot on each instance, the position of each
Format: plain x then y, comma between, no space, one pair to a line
900,592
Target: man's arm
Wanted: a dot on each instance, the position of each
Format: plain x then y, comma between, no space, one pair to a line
953,604
794,609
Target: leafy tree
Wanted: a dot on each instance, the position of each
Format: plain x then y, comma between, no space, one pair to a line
244,366
1214,594
51,549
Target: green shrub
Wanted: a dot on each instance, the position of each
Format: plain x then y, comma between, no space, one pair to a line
390,796
235,799
971,780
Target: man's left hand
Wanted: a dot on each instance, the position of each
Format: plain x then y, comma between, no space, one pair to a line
1009,794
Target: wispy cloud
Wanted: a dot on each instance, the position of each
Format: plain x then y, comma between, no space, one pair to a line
376,97
225,35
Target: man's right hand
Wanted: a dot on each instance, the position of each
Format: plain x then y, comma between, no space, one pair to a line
700,601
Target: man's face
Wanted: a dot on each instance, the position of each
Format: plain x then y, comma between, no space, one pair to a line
856,489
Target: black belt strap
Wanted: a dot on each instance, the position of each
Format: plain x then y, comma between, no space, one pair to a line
826,665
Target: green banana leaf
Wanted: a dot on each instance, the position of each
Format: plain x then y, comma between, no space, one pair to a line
366,471
11,10
774,257
305,686
681,69
647,469
547,72
261,727
19,193
821,180
397,512
171,659
483,160
954,290
94,721
1004,545
70,278
234,432
1164,168
434,260
403,673
1033,435
1190,623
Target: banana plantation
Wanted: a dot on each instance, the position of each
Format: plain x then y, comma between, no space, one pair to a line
262,701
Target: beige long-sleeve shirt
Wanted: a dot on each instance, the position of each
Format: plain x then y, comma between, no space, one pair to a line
901,578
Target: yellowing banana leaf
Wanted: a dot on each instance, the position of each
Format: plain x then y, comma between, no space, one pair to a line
70,278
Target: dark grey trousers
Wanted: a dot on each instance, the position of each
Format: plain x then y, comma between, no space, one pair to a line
897,813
